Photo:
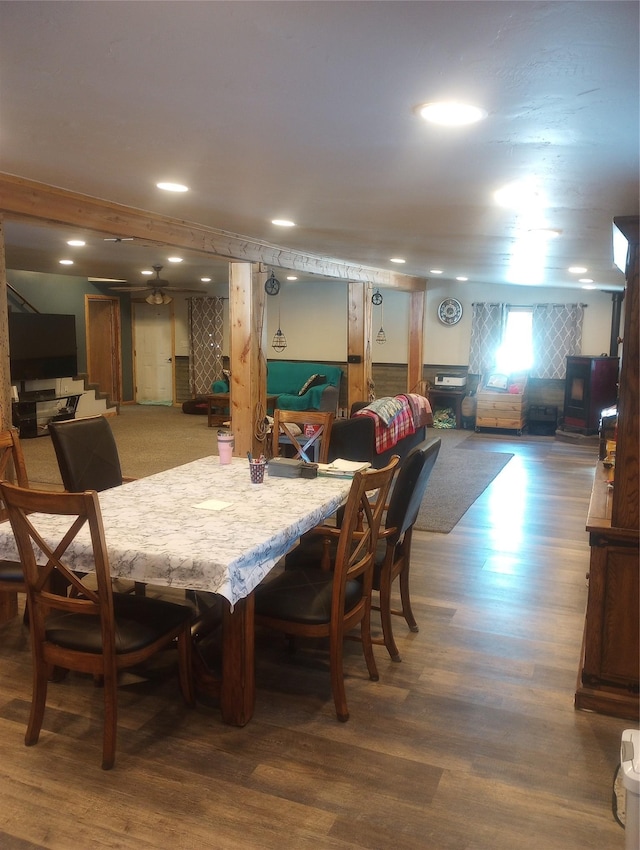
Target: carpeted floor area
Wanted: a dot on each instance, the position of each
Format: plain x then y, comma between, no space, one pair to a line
152,438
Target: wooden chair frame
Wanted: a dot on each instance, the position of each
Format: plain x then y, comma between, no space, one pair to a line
12,468
301,443
164,623
354,561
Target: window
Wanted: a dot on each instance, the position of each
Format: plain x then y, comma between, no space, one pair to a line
515,353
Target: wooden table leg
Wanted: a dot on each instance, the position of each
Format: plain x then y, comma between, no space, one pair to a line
8,606
238,687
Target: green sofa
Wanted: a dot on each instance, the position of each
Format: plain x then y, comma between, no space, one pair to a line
286,378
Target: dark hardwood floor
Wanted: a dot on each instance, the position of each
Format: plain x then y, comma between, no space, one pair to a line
471,743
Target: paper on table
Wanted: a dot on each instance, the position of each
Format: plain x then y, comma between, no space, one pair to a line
339,466
213,505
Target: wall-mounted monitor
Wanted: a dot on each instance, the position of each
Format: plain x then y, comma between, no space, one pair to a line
42,346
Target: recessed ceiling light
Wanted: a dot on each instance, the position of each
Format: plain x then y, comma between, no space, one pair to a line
585,280
76,243
147,271
66,262
522,194
397,260
173,187
577,269
283,222
462,278
291,277
451,113
436,271
205,279
174,259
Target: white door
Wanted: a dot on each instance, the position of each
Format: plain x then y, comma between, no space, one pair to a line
153,353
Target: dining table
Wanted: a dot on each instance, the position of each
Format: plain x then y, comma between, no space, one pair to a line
204,526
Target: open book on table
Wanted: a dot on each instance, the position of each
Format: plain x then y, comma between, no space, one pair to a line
342,468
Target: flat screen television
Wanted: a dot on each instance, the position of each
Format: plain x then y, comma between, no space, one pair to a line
42,345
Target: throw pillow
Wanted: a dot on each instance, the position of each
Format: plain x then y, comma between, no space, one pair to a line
313,381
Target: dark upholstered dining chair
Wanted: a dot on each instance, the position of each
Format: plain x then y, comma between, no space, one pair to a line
393,552
91,631
87,454
312,602
88,458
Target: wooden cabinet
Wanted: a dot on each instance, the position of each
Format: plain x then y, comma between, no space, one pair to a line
502,410
609,679
591,385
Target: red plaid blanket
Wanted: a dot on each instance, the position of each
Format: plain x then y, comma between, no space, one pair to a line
400,426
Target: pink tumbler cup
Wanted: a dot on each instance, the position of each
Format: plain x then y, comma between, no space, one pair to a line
225,446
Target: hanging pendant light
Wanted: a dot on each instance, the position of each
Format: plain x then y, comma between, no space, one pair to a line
381,337
279,341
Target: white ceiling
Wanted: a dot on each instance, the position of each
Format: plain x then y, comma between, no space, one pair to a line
305,110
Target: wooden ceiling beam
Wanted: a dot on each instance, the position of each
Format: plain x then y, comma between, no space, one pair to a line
26,198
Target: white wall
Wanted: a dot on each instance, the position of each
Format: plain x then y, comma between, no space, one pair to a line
313,318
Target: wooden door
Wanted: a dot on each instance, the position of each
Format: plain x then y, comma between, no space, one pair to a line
102,315
153,353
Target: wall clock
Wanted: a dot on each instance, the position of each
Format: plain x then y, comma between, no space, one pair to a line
450,311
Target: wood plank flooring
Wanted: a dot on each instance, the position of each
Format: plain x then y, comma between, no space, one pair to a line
471,743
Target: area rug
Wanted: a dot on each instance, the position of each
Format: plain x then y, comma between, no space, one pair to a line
458,478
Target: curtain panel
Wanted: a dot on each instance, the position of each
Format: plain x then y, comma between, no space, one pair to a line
206,317
487,325
556,334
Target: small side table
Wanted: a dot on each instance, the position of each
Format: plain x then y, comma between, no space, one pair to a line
452,396
218,403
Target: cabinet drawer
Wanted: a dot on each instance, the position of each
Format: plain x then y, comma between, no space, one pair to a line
515,423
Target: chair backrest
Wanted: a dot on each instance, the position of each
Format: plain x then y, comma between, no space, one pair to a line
410,485
358,537
12,465
302,444
27,509
87,454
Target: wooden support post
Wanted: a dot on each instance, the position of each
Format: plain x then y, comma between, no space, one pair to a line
248,364
358,342
416,342
5,375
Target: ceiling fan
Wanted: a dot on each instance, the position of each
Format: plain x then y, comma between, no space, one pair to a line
158,287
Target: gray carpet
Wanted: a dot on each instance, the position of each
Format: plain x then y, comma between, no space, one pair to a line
150,438
458,478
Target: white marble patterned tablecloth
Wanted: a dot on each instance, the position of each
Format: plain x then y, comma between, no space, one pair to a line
201,526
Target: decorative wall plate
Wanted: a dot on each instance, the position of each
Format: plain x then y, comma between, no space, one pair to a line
450,311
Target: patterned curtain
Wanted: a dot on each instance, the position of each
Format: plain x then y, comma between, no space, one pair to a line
487,325
205,343
557,333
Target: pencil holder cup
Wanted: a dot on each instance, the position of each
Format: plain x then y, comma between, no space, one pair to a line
256,470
